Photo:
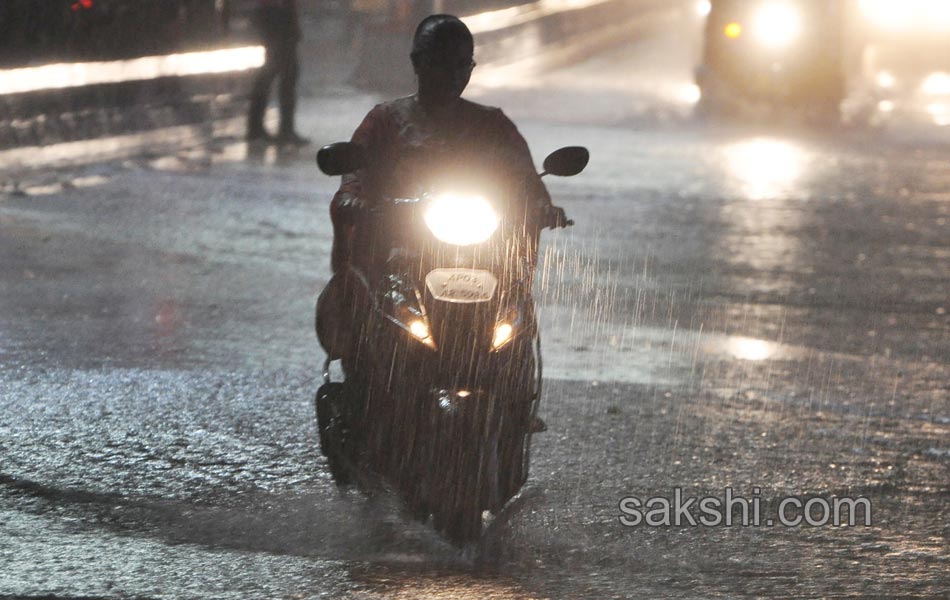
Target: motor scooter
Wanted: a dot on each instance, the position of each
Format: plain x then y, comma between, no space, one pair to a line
440,349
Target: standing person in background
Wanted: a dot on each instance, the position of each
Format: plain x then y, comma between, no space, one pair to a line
279,26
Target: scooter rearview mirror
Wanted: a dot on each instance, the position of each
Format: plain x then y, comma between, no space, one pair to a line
341,158
566,162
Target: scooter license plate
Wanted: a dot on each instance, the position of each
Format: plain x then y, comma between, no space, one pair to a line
462,286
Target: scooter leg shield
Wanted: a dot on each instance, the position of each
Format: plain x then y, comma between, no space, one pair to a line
341,309
333,429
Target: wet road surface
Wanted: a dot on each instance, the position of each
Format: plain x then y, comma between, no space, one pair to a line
736,307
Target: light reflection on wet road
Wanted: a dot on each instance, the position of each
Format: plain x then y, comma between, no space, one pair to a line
734,308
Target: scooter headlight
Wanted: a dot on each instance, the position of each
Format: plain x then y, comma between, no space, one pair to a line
461,220
777,24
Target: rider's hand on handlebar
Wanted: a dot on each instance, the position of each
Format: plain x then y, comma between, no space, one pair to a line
555,217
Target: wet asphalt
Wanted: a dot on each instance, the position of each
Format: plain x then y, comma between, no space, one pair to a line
738,306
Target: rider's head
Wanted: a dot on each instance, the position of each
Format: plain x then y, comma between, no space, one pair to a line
442,52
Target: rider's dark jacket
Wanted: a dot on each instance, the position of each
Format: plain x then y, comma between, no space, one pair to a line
408,150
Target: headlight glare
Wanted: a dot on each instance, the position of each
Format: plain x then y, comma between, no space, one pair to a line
461,220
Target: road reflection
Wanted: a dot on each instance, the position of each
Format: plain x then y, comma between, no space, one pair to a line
745,348
402,581
765,168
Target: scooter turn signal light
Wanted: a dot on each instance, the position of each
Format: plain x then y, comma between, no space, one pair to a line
504,332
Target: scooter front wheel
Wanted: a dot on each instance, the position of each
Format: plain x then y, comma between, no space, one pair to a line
459,525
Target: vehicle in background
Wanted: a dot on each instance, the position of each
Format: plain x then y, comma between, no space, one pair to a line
776,54
868,61
903,63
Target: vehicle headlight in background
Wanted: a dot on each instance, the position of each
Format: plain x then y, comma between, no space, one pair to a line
936,84
903,15
885,80
777,24
461,220
940,113
703,8
689,93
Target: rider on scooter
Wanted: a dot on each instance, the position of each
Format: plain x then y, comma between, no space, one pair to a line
433,133
447,423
